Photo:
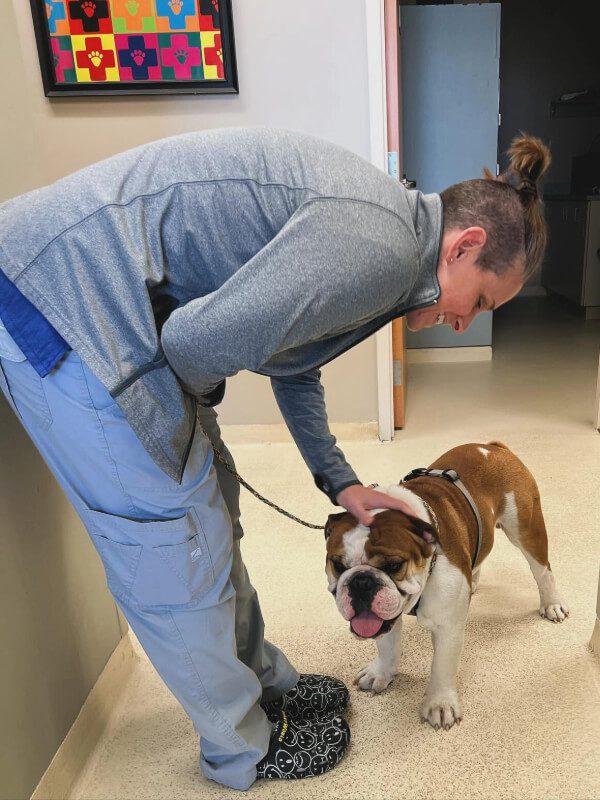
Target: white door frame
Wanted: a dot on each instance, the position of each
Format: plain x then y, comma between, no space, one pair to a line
375,30
597,412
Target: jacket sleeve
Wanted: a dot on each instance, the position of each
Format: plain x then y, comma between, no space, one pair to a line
302,403
331,264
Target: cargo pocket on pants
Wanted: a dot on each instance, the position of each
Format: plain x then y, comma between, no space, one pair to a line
152,563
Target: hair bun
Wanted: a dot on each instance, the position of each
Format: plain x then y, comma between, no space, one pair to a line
529,158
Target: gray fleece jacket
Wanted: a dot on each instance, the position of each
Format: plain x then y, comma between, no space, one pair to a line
280,252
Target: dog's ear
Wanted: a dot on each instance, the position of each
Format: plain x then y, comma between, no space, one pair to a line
331,520
343,519
424,529
422,533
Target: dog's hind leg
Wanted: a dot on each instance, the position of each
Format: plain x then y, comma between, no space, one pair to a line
526,529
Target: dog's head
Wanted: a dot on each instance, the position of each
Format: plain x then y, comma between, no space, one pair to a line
377,573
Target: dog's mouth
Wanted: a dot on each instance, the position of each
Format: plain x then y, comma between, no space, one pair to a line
368,625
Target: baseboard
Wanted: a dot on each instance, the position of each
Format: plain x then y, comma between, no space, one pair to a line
83,736
441,355
595,640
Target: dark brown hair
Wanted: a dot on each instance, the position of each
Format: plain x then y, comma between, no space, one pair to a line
509,208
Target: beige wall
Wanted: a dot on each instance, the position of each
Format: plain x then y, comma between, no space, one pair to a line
301,66
58,624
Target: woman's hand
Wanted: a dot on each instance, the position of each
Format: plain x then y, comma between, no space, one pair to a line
359,500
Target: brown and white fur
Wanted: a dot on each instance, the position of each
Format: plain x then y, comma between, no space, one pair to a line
379,573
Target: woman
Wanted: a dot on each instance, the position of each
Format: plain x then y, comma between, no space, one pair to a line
132,289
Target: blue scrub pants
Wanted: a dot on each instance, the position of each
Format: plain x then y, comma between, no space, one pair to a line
171,554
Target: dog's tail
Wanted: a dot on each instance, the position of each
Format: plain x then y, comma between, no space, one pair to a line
498,444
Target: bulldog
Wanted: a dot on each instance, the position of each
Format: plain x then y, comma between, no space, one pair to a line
429,562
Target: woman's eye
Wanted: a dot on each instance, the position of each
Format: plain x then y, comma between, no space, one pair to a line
338,566
393,566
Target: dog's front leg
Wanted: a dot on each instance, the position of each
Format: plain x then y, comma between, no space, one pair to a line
441,707
444,611
379,673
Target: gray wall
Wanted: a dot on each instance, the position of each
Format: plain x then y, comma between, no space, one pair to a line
301,65
548,47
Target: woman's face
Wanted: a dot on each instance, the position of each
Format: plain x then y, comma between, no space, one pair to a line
466,290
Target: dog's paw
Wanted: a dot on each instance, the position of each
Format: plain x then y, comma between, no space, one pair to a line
373,677
555,612
441,710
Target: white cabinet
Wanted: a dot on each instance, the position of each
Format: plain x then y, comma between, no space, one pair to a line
572,265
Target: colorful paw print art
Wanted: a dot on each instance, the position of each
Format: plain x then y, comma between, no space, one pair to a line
89,16
135,41
179,15
181,56
138,57
95,58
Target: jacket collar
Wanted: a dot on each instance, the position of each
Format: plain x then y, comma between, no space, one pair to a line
427,215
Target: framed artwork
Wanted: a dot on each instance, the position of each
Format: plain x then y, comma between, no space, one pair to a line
103,47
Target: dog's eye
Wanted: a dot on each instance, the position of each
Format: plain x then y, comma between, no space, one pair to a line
338,566
393,566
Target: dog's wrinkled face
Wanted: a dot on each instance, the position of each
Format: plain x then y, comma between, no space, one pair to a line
377,573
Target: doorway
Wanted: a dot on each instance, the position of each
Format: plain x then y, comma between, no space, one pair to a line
549,86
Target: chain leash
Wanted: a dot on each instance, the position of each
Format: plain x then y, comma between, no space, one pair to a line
221,458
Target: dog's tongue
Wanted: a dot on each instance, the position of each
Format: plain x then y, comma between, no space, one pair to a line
366,623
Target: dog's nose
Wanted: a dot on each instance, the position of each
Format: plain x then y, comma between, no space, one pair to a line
361,583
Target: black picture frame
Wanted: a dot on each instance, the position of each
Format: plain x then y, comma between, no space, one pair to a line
134,69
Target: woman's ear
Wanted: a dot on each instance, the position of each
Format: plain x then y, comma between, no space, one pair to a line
470,239
461,242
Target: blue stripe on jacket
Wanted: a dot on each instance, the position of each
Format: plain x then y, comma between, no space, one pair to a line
40,342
